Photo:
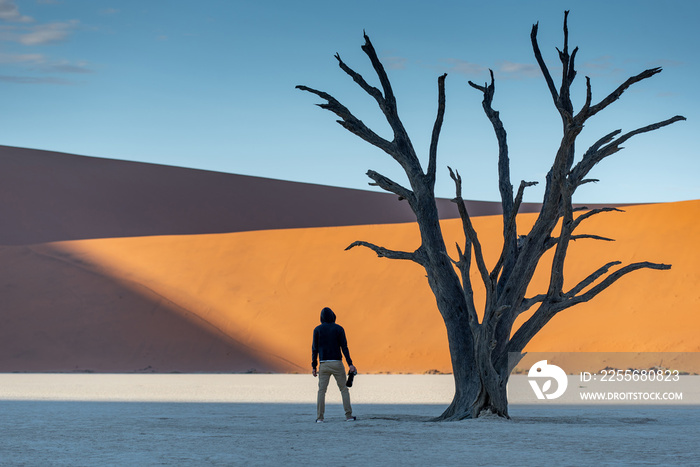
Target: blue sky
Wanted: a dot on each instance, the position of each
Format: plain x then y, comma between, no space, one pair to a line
210,85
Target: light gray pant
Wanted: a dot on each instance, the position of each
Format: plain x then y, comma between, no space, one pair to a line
325,370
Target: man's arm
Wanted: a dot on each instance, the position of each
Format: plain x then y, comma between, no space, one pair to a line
314,352
344,348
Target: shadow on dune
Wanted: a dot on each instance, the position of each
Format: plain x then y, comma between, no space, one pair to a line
60,315
49,196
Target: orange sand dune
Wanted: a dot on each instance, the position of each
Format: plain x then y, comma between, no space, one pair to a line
120,266
265,289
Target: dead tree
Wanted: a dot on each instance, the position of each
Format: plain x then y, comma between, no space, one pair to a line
480,343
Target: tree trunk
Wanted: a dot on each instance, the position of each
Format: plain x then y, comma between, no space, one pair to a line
479,386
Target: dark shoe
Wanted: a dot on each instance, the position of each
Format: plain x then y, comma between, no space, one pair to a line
351,419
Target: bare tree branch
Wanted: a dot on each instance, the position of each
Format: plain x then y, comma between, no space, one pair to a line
532,326
386,253
554,240
589,97
591,237
528,303
550,308
391,186
587,180
562,99
607,146
511,227
614,146
591,213
371,90
432,164
390,100
400,148
615,95
464,265
504,185
519,198
406,155
470,233
556,278
543,65
591,278
611,279
352,123
568,72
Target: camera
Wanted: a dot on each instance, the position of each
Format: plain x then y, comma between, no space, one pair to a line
351,377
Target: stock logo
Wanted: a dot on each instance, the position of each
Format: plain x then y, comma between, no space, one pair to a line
541,371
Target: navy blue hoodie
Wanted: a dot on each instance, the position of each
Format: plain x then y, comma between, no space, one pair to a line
329,340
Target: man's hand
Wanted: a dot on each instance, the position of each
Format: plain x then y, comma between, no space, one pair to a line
352,369
313,372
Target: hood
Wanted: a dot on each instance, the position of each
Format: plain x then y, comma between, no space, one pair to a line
327,316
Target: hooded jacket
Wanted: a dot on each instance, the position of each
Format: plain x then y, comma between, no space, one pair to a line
329,340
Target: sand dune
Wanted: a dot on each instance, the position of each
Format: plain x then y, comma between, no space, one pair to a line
60,316
48,196
184,279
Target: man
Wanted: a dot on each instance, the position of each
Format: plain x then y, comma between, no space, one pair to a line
328,343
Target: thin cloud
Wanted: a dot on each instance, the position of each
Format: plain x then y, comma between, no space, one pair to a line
395,62
35,68
47,33
503,69
462,67
598,64
21,58
10,12
513,70
66,67
667,63
40,63
35,80
607,63
18,27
